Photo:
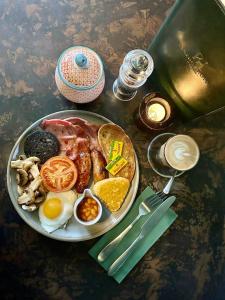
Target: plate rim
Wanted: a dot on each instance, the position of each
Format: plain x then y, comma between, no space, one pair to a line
41,231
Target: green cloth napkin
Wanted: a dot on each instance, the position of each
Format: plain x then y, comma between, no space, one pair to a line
143,246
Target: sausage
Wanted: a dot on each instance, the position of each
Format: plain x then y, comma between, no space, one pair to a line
83,164
99,163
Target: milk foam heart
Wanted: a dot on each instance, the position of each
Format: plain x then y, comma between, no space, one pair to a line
180,152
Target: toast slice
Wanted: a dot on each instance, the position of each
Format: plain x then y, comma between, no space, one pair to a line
109,132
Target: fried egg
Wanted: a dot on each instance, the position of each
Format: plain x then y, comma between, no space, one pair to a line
56,210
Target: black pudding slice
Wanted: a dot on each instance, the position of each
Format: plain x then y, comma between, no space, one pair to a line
42,144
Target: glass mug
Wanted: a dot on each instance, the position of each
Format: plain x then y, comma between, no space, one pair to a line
180,152
171,155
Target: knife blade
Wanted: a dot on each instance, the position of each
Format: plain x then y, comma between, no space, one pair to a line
146,227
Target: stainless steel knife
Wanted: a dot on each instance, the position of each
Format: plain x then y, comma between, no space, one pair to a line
146,227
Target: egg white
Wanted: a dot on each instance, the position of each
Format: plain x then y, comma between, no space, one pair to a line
67,199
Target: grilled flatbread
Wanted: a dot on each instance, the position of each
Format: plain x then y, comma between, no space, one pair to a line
109,132
112,192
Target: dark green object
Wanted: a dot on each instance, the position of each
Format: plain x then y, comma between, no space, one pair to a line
189,56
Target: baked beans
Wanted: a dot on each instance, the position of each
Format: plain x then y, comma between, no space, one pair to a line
88,209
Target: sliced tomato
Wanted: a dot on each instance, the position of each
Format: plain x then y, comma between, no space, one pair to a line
59,174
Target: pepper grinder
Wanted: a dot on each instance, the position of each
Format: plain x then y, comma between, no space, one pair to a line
136,68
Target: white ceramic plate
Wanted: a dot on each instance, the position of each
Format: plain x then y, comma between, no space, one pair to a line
74,231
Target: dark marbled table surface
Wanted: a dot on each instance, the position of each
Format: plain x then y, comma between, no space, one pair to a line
188,261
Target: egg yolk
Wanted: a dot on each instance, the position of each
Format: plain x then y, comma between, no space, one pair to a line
52,208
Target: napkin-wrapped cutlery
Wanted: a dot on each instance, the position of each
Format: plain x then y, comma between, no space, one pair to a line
147,226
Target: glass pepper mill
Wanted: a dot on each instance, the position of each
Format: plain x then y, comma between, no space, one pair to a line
136,68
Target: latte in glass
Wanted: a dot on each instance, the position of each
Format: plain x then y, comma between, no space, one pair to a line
180,152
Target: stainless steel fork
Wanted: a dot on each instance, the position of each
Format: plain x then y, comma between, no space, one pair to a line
144,208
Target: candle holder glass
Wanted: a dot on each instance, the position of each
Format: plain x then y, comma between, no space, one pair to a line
155,113
154,159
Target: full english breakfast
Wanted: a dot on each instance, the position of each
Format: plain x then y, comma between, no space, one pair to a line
64,157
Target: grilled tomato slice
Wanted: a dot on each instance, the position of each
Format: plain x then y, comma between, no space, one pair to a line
59,174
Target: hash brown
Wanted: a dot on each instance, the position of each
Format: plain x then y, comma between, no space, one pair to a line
112,192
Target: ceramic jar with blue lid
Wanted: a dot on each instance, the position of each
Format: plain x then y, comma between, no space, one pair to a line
79,74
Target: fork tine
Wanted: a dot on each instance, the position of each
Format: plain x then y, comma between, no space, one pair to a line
156,196
152,199
158,201
159,197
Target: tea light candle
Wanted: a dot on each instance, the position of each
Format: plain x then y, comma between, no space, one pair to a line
156,112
